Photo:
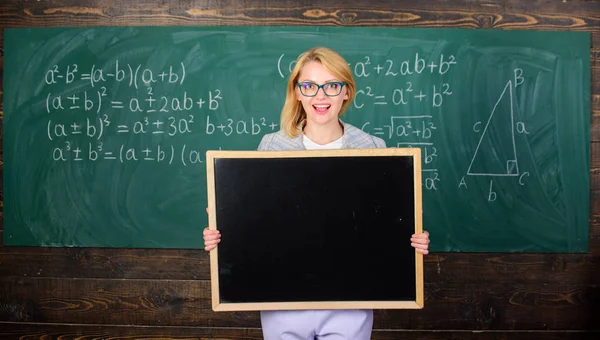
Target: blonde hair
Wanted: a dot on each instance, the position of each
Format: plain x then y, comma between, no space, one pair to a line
293,115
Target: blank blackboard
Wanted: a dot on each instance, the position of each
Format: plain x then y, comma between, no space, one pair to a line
299,232
106,128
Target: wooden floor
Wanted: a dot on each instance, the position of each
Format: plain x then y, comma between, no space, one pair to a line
89,293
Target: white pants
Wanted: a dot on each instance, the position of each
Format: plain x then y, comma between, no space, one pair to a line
354,324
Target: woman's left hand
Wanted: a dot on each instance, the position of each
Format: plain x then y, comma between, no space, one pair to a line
420,242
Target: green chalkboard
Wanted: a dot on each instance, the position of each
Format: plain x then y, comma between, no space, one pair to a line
106,129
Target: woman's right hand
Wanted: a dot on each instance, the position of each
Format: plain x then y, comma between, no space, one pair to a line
211,238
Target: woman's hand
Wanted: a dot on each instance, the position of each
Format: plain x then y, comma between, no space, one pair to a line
420,242
211,238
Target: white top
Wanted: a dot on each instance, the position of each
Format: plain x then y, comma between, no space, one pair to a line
310,145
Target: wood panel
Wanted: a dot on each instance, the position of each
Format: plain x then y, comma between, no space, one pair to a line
172,264
91,293
472,306
412,13
29,331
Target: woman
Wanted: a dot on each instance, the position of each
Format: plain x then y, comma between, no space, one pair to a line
319,90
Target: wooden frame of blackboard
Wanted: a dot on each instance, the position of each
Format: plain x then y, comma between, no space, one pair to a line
413,154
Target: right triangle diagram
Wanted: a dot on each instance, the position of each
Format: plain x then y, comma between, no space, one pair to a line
496,153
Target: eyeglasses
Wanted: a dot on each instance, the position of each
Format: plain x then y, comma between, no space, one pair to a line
331,89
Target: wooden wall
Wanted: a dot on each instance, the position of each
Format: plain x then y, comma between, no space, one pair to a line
89,293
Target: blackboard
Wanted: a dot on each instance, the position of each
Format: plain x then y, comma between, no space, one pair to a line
299,232
106,128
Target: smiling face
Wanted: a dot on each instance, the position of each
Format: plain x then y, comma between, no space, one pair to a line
321,110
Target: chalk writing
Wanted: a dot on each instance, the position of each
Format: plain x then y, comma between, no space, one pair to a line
152,109
132,75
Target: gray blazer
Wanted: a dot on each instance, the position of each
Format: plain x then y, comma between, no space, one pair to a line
353,138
